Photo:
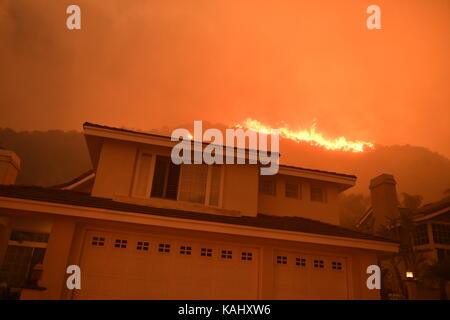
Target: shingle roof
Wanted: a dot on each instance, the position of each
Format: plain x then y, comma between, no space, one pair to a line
261,220
74,180
434,206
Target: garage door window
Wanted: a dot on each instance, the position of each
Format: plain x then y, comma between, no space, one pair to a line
281,260
247,256
164,247
300,262
98,241
206,252
336,265
186,250
142,245
319,264
226,254
120,243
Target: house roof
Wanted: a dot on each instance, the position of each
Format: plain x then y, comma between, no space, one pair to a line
296,224
74,180
89,124
425,212
320,171
434,206
438,210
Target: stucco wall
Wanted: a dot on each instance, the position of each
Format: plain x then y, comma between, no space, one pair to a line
240,188
114,174
281,205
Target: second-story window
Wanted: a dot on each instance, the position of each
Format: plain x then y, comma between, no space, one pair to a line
193,183
198,183
143,175
214,193
421,235
292,190
165,178
267,185
317,193
441,233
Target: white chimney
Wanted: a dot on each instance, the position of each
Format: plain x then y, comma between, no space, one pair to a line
9,166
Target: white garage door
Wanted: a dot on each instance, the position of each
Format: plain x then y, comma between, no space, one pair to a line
141,266
307,276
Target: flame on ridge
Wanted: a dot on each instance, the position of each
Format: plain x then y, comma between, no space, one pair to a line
310,136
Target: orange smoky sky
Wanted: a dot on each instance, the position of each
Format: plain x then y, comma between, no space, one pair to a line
145,64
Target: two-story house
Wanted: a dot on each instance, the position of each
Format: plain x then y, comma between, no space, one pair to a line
140,227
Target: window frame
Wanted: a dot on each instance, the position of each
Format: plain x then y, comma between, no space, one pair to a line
324,192
148,189
421,236
440,233
138,173
273,179
299,189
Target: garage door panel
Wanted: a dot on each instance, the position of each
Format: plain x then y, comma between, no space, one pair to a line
298,275
143,266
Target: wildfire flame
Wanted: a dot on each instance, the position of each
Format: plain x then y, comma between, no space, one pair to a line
310,136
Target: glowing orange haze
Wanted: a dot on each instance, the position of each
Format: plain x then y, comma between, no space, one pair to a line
145,64
310,136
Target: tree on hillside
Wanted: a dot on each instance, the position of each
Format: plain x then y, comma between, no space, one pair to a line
411,201
351,207
402,230
47,157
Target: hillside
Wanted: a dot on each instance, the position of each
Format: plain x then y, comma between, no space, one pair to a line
55,156
48,157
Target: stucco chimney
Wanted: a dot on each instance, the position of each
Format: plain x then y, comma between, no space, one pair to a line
384,199
9,166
